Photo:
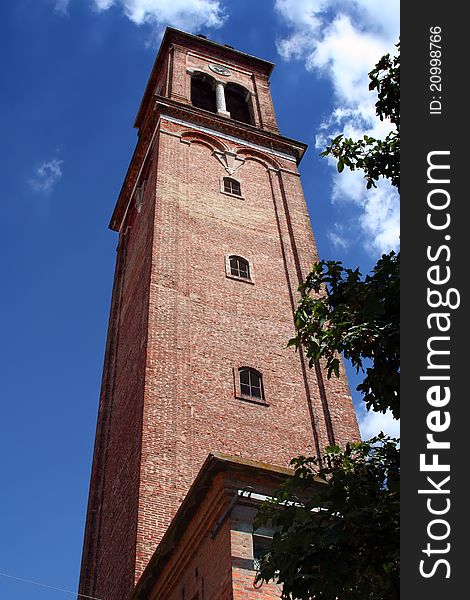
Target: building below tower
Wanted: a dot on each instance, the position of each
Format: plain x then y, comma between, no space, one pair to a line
210,550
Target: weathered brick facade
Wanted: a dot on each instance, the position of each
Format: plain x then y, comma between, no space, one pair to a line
181,327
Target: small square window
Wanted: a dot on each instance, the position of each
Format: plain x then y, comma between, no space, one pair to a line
232,186
250,383
239,267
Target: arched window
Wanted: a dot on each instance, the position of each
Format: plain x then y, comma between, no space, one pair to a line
232,186
251,383
239,267
203,92
237,99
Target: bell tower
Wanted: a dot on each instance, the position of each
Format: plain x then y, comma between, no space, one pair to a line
214,239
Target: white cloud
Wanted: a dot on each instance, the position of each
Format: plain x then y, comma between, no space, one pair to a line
371,423
344,49
381,218
46,176
345,54
189,15
62,6
338,237
378,217
103,4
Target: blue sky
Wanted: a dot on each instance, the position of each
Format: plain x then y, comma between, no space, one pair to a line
73,73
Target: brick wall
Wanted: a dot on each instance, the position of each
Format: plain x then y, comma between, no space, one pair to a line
204,325
113,501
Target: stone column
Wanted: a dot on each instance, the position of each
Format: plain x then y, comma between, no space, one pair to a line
220,99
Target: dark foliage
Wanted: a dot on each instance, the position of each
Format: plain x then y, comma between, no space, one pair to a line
377,158
337,526
359,318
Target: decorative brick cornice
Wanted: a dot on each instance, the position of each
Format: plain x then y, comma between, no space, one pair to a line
239,133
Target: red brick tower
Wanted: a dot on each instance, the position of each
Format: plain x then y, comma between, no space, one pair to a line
214,239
